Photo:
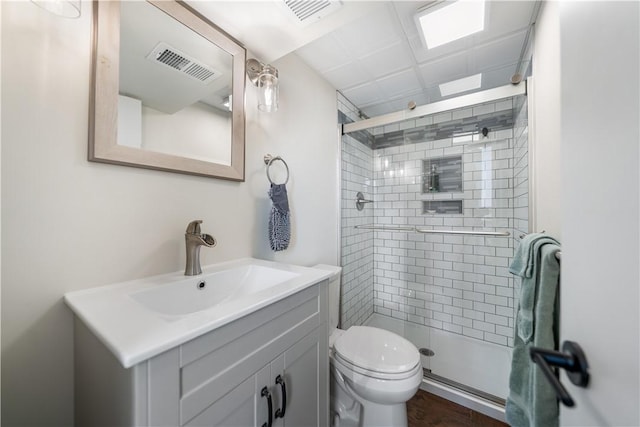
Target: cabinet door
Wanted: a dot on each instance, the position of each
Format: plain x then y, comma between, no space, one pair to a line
306,381
235,409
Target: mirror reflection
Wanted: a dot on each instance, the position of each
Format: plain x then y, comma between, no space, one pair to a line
168,90
175,87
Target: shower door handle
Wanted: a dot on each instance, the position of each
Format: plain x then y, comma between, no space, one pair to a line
571,359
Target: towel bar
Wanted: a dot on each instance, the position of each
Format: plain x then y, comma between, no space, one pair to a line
558,254
384,227
472,233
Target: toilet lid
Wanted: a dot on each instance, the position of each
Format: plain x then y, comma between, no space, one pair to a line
333,337
377,350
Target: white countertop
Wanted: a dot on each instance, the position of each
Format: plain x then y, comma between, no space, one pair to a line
134,332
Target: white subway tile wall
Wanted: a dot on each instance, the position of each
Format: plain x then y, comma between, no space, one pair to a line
451,282
357,245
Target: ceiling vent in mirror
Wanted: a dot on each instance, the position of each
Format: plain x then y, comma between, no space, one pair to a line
173,58
309,11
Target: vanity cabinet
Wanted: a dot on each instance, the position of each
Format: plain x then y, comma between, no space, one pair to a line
218,378
297,367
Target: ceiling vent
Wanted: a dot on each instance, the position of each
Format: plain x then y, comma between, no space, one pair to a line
309,11
178,61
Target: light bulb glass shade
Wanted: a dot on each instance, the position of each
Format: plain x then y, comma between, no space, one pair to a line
267,92
64,8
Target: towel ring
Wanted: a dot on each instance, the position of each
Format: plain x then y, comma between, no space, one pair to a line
268,160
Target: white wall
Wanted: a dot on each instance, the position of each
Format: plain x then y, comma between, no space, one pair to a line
68,224
198,131
544,123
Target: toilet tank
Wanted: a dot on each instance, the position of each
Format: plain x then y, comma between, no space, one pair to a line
334,293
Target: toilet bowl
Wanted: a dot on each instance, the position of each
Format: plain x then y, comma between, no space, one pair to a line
373,374
373,371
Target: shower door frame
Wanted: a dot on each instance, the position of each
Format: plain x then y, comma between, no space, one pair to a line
492,404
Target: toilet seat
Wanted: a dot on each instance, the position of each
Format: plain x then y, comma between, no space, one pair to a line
374,374
377,353
375,387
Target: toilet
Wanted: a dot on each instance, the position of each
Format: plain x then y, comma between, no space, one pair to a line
373,371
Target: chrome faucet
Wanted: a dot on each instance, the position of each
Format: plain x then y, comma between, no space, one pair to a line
193,240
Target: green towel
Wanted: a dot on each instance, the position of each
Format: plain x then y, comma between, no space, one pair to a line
532,400
524,264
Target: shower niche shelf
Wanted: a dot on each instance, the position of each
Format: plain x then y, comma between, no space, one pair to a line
442,175
441,207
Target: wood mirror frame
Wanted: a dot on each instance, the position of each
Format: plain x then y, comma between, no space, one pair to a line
103,132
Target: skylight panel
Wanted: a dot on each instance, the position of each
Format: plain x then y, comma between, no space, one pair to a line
453,21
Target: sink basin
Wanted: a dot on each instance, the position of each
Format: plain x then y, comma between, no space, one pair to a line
209,290
142,318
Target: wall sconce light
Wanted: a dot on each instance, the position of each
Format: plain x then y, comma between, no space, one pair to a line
64,8
265,77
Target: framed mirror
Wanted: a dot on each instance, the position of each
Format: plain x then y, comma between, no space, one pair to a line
167,90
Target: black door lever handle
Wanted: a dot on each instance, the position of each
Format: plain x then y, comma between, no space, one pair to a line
571,359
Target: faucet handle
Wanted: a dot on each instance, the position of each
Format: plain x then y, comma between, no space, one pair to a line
194,227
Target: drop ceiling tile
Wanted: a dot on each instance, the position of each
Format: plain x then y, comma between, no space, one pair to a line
498,52
347,76
324,53
445,70
399,102
506,17
406,11
369,33
362,95
422,54
399,83
498,77
387,60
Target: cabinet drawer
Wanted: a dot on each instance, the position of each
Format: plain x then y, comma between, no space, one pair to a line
213,364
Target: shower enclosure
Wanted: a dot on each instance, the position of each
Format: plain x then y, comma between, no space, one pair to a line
426,253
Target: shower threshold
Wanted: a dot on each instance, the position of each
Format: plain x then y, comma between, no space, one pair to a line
463,388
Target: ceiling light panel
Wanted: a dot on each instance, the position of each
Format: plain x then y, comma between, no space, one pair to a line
449,21
461,85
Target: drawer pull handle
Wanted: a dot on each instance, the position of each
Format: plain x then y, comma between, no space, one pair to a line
263,393
280,412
